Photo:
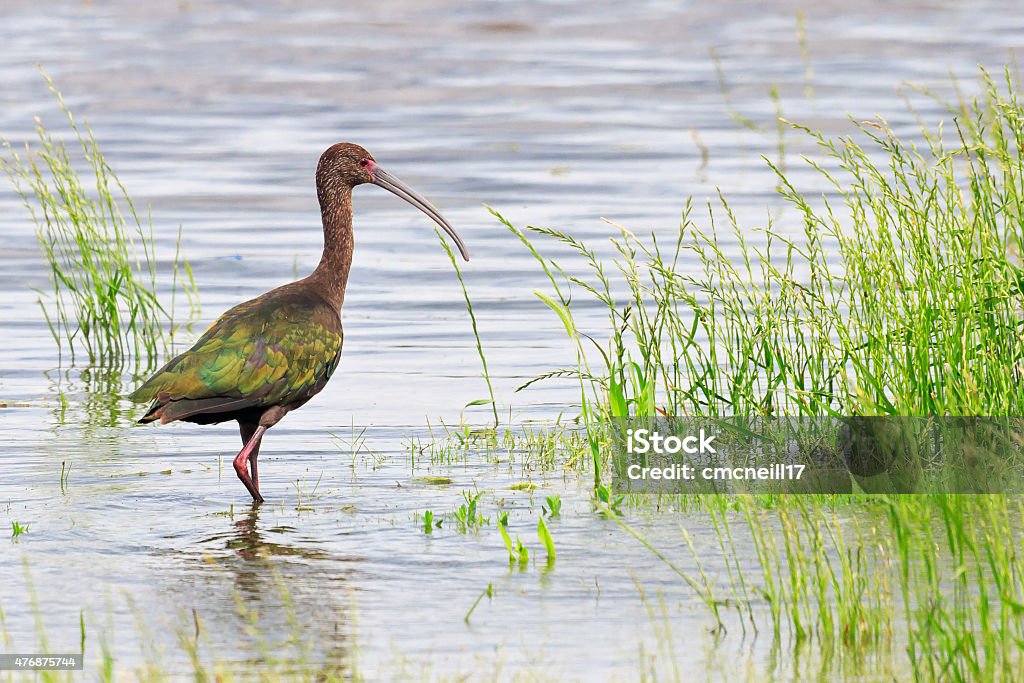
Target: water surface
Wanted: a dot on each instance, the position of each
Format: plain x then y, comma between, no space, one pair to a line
556,114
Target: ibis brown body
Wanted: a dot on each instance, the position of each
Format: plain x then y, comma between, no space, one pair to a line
270,355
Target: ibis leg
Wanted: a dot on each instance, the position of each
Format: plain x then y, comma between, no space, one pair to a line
247,429
241,463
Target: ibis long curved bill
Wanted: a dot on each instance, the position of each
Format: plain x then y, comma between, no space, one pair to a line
382,178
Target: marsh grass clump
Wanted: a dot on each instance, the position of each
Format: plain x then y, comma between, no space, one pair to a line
899,293
932,584
100,254
896,291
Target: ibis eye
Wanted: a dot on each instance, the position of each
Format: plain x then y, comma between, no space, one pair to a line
364,162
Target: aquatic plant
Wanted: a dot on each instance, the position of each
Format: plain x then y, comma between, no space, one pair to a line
476,332
800,326
17,529
545,540
552,506
902,295
100,255
429,523
518,554
467,517
938,573
487,592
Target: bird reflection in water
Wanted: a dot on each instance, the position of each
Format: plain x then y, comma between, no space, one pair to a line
293,600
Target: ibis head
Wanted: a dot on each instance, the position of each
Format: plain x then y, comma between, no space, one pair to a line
347,165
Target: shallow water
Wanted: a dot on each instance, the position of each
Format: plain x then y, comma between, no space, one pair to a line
555,113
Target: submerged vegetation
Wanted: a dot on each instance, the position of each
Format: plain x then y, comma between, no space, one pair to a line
100,255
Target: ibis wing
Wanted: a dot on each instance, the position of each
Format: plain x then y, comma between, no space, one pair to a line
260,353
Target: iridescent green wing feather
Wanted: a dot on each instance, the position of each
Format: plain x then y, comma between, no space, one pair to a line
272,350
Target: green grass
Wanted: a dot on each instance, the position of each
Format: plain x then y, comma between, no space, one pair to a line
897,292
518,553
934,581
476,333
17,529
429,524
546,540
552,506
901,295
467,516
100,255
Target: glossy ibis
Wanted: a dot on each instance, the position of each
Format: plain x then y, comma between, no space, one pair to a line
268,356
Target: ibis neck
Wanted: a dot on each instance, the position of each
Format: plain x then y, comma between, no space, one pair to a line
331,274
